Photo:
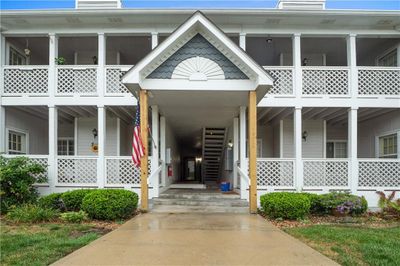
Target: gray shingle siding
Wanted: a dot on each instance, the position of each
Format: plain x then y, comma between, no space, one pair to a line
197,46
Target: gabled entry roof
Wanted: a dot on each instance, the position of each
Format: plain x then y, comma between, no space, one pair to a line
198,56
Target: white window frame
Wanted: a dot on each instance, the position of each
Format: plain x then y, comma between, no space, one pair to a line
377,137
68,139
334,150
18,131
10,46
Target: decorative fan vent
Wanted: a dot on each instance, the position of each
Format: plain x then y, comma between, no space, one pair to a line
198,68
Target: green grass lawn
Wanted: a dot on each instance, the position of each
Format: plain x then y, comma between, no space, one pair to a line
350,245
42,244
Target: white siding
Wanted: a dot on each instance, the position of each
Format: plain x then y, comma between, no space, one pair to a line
126,139
265,133
65,130
36,127
276,141
337,132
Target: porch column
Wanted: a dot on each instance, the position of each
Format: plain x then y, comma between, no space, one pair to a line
352,147
242,40
101,143
352,64
235,150
53,135
76,136
3,136
154,40
154,157
144,173
298,149
253,150
2,60
162,151
242,155
101,61
297,85
53,54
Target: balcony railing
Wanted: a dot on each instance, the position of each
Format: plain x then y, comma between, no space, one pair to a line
332,173
77,170
326,81
113,80
275,172
76,80
379,80
283,83
22,80
382,173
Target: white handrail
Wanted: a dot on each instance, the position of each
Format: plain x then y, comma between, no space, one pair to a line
153,174
244,183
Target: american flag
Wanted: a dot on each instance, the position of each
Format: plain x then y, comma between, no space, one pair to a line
137,144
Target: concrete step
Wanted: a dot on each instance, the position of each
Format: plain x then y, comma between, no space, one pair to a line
198,196
198,209
203,203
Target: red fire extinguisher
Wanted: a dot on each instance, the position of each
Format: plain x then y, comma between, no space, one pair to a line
169,170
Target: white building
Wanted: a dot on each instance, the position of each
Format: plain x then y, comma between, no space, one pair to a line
326,84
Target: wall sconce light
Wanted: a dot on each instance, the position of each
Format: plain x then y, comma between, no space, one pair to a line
305,135
94,131
230,144
269,40
198,159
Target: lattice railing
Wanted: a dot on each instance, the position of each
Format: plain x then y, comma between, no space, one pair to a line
121,171
76,80
39,159
283,83
325,81
113,79
379,81
275,172
326,173
77,170
20,80
379,173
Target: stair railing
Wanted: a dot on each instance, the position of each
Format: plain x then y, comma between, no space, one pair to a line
244,183
154,180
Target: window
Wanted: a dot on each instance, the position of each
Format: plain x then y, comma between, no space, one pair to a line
336,149
388,146
65,146
16,58
17,142
389,59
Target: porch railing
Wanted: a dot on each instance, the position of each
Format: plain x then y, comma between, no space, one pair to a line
77,170
22,80
77,80
113,80
332,173
379,173
283,84
43,160
325,80
120,171
379,80
278,173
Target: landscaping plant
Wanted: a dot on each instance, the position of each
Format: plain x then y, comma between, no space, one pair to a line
52,201
285,205
388,204
342,203
74,217
17,176
73,199
30,213
110,204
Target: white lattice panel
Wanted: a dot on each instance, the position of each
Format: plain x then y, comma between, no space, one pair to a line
322,81
325,173
379,173
379,82
77,80
122,171
283,83
26,81
275,173
77,170
113,81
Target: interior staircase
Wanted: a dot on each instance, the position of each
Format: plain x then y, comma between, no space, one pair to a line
213,147
198,200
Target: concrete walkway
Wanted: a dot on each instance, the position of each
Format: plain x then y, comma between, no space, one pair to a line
196,239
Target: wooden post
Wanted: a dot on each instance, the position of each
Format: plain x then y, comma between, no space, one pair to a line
144,172
253,150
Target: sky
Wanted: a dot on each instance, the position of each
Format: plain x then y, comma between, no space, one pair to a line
200,4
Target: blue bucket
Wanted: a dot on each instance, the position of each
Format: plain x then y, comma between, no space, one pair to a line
225,186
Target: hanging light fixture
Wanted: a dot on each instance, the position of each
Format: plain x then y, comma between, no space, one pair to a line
27,51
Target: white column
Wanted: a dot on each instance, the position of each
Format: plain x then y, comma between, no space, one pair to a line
154,40
101,139
298,148
53,136
154,154
244,194
163,150
2,61
118,136
296,43
101,60
53,54
235,150
324,140
242,40
76,136
281,138
352,64
352,149
3,136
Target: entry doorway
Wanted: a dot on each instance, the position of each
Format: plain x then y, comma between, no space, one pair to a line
191,170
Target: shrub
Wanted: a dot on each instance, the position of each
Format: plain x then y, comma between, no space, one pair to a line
285,205
52,201
17,176
110,204
343,203
388,204
73,199
30,213
314,202
74,217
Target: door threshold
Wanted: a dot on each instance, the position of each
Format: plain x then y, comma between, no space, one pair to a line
194,186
